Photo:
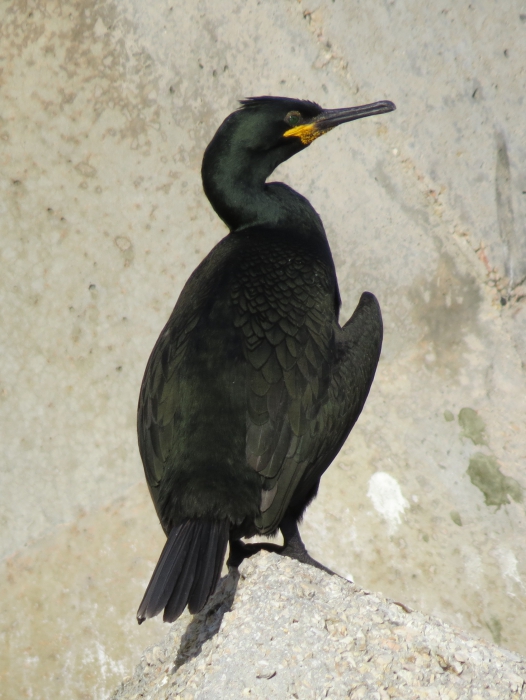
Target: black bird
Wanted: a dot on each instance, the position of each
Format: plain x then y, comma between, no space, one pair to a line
252,386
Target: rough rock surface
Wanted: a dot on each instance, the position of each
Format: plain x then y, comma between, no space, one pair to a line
281,629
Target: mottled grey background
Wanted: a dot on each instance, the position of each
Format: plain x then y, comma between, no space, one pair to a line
105,109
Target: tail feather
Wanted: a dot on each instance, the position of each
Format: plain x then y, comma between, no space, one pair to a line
206,574
187,571
179,598
166,573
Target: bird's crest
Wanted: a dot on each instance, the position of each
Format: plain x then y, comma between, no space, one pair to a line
253,102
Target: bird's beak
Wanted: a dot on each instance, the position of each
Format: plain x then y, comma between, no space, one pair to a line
329,118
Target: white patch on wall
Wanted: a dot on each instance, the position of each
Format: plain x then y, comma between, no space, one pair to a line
388,500
509,568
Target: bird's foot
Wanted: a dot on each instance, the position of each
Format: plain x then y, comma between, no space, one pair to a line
242,550
294,551
294,547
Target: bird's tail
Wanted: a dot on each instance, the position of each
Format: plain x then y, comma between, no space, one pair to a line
187,571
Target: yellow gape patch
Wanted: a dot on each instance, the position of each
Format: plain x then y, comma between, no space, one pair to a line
306,132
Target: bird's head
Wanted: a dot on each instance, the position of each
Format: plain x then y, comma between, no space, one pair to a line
285,126
261,134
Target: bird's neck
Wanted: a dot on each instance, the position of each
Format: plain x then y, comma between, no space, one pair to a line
242,198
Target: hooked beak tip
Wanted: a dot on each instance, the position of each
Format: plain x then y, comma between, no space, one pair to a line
330,118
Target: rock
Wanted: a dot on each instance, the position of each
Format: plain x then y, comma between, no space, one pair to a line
281,629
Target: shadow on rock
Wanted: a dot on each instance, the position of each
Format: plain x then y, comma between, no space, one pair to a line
206,624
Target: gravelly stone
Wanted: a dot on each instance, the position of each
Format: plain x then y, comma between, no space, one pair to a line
280,629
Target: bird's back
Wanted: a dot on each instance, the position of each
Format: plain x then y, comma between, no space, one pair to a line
238,375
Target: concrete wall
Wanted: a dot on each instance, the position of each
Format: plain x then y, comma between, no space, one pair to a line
105,109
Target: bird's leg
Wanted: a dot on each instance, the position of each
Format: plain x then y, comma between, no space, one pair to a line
294,546
242,550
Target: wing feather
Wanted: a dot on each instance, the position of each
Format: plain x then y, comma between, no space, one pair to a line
305,378
319,376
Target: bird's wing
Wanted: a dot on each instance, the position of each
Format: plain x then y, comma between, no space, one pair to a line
307,379
358,348
160,398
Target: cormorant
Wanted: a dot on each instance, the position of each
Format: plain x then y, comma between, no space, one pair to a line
252,386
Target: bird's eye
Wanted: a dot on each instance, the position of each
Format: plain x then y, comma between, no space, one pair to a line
293,118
